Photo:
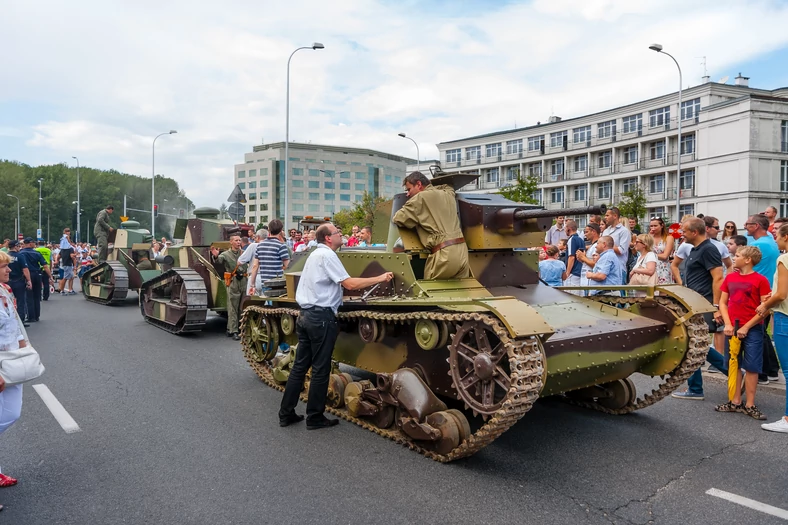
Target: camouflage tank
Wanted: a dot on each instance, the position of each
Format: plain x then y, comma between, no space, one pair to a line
108,283
191,283
458,362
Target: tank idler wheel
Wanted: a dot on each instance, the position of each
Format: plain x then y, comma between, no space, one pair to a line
449,429
336,389
621,393
287,323
371,331
462,423
262,336
479,367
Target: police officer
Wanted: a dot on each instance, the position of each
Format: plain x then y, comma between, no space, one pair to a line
237,286
35,264
101,230
319,294
19,280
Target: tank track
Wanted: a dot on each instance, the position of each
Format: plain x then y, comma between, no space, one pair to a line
698,332
196,301
526,361
120,276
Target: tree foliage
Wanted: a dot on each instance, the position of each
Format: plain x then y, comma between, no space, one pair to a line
97,189
523,190
633,203
361,214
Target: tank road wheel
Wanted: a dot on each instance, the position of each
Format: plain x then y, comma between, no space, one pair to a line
621,393
479,368
430,334
370,330
336,389
261,336
287,323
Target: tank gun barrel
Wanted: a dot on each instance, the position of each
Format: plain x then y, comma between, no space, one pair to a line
537,214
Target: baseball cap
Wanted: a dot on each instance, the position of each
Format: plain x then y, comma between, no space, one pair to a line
28,240
13,244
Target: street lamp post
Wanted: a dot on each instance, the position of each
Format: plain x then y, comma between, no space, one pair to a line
418,156
77,236
18,215
153,182
39,208
314,46
658,49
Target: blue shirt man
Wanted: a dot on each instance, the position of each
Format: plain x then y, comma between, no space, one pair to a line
769,254
608,270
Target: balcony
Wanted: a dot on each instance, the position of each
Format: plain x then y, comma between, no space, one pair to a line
554,177
686,193
653,163
555,206
623,167
658,196
576,203
599,172
577,174
596,200
488,184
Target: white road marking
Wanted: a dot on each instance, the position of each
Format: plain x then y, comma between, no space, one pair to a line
61,415
749,503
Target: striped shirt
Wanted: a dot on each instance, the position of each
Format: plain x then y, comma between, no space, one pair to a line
271,255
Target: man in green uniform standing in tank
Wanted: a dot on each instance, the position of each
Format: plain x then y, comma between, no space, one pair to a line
432,211
101,230
237,286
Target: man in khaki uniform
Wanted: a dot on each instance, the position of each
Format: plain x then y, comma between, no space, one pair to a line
101,230
237,287
432,211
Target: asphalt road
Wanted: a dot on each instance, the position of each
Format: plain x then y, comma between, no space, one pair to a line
179,430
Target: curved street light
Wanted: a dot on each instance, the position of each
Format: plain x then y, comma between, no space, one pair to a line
418,155
658,49
314,46
153,182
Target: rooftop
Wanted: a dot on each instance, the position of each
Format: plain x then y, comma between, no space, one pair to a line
335,149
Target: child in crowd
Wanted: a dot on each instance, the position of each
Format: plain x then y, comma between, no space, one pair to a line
743,291
734,242
551,270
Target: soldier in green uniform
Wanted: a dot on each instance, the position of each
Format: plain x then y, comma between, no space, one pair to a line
144,261
237,286
432,211
101,230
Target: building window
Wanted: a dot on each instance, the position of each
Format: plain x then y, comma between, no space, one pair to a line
473,153
344,186
263,172
314,196
344,197
315,208
556,195
783,178
657,150
657,212
252,207
581,163
358,198
314,173
360,175
389,178
297,206
252,173
295,159
537,195
535,143
514,146
659,117
535,169
656,184
604,159
633,123
784,140
453,155
242,174
263,183
297,183
686,209
604,189
329,185
511,173
628,185
252,185
314,184
252,196
580,192
360,186
783,207
631,155
687,180
252,219
493,150
298,195
242,185
328,196
344,174
492,175
606,129
557,139
264,195
297,172
557,167
688,144
690,109
581,134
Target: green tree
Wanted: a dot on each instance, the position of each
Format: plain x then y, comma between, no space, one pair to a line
361,214
523,190
633,203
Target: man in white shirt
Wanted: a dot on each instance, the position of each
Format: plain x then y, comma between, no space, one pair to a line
622,237
587,257
249,254
556,232
319,294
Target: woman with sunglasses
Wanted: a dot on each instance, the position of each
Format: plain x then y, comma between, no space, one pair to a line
729,231
663,247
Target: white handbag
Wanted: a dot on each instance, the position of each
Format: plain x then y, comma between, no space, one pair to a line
20,365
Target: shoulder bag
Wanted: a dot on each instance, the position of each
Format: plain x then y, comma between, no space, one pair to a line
19,365
640,279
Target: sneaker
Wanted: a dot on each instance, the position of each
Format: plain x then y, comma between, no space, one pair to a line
730,406
72,292
754,413
777,426
7,481
713,370
773,379
763,381
686,394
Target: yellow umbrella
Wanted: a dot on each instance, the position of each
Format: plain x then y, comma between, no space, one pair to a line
733,365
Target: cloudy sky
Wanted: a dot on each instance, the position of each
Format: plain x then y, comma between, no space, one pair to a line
99,79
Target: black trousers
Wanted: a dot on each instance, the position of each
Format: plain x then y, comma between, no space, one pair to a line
20,292
317,330
34,297
45,285
771,367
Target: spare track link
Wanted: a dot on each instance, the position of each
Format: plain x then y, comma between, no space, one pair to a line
526,361
698,332
119,275
196,300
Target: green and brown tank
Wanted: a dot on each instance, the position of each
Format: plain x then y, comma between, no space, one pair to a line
458,362
192,282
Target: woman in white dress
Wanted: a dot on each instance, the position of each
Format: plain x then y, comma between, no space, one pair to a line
12,336
663,248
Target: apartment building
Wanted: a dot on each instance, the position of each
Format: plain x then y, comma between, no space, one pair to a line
322,179
733,148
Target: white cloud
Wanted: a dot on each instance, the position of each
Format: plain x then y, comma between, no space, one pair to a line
101,79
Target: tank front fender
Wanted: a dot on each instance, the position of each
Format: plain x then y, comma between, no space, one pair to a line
520,319
689,299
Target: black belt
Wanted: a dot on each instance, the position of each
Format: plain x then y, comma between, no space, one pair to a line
319,309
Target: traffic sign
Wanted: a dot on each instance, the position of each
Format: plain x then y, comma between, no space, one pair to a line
237,195
123,218
20,237
236,211
39,235
675,230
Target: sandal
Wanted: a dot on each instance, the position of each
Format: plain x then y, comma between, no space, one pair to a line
754,413
730,406
7,481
